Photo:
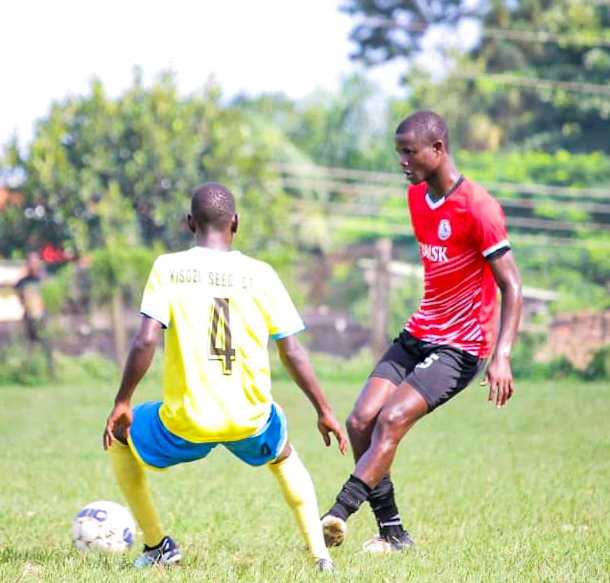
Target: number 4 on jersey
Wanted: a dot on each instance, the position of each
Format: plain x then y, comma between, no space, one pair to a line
220,335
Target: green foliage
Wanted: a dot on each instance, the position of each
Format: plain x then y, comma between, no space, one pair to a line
561,368
28,369
89,367
545,116
346,287
536,76
121,267
378,36
17,367
103,172
58,290
599,366
523,362
345,129
559,168
525,366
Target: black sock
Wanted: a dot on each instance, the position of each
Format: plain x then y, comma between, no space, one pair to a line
384,507
352,495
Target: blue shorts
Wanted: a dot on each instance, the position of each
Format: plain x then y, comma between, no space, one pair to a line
158,448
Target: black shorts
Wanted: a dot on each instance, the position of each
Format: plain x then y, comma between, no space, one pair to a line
437,371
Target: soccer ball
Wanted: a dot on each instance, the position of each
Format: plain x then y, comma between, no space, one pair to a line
103,526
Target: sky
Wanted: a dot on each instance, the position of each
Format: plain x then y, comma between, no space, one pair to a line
52,49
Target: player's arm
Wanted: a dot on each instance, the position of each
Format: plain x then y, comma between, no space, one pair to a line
139,358
296,361
499,375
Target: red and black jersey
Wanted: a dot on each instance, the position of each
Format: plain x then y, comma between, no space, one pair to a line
456,234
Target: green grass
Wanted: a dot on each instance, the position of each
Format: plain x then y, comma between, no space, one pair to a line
517,495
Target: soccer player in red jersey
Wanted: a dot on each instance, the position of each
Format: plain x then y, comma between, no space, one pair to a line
461,232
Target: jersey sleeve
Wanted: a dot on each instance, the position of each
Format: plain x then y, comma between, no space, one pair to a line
489,226
155,299
283,319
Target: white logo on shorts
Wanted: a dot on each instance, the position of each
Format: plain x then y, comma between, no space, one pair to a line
444,230
429,360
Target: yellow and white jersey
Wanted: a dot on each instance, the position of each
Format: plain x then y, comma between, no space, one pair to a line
219,308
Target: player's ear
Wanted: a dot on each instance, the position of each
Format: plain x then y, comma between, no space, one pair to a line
439,147
191,223
234,223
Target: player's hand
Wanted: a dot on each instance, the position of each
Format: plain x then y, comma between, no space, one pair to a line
327,424
499,377
120,416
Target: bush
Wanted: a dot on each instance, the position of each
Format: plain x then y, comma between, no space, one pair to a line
599,367
17,367
560,368
523,361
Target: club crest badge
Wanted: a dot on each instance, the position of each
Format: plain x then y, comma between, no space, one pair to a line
444,230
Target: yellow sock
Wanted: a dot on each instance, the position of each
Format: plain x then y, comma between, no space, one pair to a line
131,478
299,493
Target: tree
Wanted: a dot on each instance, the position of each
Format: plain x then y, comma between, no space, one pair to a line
152,147
536,76
397,29
343,129
545,70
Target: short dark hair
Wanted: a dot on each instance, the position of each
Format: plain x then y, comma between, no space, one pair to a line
212,206
429,126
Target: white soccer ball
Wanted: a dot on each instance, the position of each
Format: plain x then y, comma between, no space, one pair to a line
103,526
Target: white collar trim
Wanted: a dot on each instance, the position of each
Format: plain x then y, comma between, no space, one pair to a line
434,204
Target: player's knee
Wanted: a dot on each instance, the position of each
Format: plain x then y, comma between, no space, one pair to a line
357,423
393,424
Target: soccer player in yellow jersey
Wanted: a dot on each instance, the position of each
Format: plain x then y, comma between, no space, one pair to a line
218,308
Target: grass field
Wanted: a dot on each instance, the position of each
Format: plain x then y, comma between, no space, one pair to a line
517,495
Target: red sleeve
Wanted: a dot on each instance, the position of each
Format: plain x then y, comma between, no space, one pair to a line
488,224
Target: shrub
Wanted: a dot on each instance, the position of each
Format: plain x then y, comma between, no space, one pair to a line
599,366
